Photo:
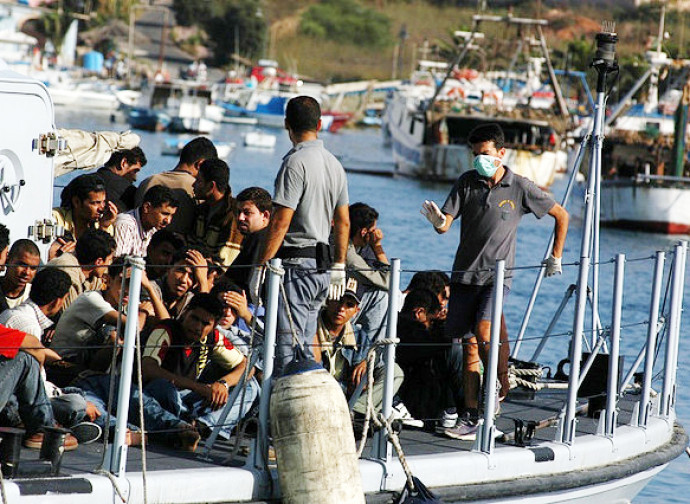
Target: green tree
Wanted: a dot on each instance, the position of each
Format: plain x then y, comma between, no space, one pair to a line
228,16
348,22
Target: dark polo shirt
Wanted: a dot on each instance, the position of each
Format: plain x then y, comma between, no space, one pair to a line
490,218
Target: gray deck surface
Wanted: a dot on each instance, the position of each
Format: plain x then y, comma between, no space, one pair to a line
546,405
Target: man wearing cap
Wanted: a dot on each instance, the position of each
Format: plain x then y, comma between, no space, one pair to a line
310,193
342,349
491,200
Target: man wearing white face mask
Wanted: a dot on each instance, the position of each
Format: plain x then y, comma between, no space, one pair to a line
490,200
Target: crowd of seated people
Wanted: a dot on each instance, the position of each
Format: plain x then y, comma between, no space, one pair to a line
201,334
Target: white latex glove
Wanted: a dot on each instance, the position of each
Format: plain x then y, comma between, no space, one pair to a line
553,266
255,283
338,278
433,214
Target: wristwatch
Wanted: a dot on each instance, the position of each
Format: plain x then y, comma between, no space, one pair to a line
224,383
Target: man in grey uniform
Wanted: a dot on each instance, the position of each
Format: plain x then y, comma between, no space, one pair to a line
310,192
491,200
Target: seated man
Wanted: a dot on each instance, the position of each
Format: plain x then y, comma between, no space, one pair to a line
342,349
84,334
190,369
134,229
83,205
160,252
119,173
253,212
21,358
70,408
432,365
22,262
88,264
189,270
367,263
238,319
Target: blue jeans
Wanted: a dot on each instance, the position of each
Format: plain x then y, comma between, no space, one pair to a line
69,408
188,405
21,378
96,389
306,291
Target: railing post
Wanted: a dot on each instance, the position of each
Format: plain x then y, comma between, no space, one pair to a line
118,450
669,387
381,446
488,428
270,327
650,347
612,386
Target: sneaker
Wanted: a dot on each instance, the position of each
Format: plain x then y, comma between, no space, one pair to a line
400,412
448,421
86,432
465,430
35,441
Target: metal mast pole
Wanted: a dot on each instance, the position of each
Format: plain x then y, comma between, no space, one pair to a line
604,62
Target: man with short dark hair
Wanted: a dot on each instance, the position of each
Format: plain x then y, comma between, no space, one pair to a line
88,264
215,227
190,369
181,181
342,348
367,263
134,229
310,193
491,200
83,205
33,317
119,173
253,207
23,260
160,252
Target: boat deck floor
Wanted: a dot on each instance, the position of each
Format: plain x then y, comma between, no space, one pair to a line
544,407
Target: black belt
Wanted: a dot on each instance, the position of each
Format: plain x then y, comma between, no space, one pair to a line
297,253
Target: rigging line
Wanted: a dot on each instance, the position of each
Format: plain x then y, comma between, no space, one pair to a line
142,423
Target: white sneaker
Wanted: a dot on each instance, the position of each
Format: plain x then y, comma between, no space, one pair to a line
400,412
448,421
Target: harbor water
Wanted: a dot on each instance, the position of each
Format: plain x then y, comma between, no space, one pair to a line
408,236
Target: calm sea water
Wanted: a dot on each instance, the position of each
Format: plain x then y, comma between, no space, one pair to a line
409,237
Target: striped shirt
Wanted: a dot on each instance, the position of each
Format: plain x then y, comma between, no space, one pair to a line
130,237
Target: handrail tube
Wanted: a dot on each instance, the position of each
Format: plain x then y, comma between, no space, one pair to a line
668,390
542,270
612,385
382,448
487,431
270,328
681,286
568,427
118,453
652,331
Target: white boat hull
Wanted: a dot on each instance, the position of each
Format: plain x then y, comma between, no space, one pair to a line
646,206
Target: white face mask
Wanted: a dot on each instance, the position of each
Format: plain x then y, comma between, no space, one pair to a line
486,165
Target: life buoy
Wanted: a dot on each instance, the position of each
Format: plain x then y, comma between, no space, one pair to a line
456,92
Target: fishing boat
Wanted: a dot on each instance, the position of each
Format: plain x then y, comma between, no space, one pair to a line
180,107
646,186
596,435
428,119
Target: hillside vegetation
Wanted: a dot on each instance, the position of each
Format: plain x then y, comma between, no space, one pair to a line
337,40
